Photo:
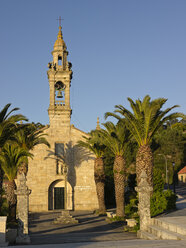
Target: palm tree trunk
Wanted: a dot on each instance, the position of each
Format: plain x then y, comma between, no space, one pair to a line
144,161
119,181
11,198
99,176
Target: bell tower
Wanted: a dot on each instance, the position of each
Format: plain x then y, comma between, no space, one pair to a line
59,77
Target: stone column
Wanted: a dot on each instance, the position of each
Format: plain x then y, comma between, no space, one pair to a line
22,193
144,193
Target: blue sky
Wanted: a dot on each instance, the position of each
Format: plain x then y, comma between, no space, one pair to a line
118,49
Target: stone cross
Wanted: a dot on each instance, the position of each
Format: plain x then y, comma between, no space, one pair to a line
144,191
22,193
60,19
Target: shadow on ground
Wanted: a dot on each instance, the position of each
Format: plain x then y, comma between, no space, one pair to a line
89,228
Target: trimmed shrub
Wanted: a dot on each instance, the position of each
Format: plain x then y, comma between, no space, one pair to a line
158,181
162,201
171,199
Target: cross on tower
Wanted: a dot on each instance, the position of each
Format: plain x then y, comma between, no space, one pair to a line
60,19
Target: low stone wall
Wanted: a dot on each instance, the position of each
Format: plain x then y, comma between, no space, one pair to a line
3,231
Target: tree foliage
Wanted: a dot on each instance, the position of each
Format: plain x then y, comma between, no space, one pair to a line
146,117
162,201
11,158
8,124
170,147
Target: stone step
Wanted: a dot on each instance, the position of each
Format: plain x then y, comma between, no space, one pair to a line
162,233
168,226
146,235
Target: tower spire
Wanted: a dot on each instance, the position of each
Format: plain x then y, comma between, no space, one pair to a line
60,36
59,76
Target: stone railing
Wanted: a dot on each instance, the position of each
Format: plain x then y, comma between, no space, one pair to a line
59,103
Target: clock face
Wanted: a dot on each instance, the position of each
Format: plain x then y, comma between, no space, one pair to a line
59,85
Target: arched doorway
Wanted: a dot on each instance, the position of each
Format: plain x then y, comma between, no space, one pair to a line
56,195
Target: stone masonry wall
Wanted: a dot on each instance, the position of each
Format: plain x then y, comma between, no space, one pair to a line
42,172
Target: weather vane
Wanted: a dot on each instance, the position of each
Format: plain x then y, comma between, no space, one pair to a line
60,19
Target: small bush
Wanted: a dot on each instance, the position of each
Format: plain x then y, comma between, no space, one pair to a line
171,199
157,203
158,181
162,201
131,209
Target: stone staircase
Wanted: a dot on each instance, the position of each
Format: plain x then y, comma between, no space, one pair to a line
162,229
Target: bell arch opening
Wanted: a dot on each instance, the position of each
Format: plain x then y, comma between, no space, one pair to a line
59,93
59,60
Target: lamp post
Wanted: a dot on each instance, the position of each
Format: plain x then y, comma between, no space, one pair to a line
173,165
166,170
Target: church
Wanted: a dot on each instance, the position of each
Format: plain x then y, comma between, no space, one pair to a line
62,176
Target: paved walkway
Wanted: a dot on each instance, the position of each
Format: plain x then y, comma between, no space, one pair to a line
44,234
116,244
90,228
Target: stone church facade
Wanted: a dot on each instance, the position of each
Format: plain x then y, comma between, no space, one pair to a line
61,176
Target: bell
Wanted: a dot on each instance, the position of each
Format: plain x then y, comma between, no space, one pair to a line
59,94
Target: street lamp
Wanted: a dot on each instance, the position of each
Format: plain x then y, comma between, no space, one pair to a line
166,170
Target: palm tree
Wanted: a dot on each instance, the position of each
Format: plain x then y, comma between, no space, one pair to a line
27,137
115,137
94,144
8,123
145,120
11,158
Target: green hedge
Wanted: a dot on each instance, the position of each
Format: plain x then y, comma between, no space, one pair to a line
162,201
158,181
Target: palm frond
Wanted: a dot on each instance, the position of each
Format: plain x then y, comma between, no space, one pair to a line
30,135
146,117
93,143
11,158
132,123
115,137
8,124
3,112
